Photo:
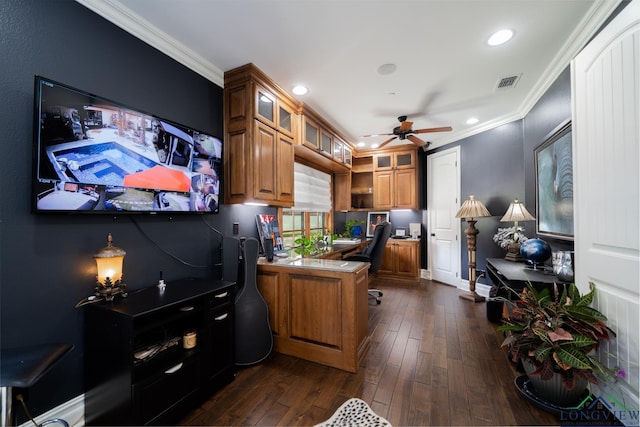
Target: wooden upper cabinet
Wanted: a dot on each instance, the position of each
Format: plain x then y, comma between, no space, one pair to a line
319,136
274,111
395,180
261,127
395,160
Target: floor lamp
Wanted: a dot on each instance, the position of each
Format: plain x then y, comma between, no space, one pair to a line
469,210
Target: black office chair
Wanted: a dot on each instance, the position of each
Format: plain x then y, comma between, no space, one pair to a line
373,254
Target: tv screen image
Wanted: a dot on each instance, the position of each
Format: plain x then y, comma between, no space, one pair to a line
99,156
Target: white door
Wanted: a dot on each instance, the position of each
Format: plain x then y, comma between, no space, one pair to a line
443,195
606,140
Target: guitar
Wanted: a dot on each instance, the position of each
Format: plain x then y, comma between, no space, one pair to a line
254,339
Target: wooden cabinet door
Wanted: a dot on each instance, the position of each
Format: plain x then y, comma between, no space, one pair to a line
401,259
407,261
387,266
284,170
341,192
237,163
383,190
264,174
405,189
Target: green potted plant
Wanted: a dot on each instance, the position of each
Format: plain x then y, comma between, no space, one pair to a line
351,228
555,335
309,246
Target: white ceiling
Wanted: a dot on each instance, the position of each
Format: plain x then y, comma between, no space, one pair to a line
446,72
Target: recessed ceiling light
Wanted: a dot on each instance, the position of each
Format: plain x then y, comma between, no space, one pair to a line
472,121
500,37
386,69
361,144
374,145
300,90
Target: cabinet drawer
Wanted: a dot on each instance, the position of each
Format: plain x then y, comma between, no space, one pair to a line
220,298
158,394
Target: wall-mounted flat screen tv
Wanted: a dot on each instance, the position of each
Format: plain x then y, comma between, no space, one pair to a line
92,155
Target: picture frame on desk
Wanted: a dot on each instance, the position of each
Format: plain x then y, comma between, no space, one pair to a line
375,218
554,184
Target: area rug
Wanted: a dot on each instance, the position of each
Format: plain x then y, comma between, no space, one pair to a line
355,412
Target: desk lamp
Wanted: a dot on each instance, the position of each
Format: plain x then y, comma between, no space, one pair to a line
516,212
469,210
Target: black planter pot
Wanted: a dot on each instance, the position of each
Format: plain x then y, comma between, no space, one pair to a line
553,390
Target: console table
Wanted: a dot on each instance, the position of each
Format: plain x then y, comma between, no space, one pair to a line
153,355
514,275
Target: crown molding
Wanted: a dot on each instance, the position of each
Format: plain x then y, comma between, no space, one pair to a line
118,14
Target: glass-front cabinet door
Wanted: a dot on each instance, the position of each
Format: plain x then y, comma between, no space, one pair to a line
383,162
326,145
265,106
405,160
347,155
311,133
338,151
285,119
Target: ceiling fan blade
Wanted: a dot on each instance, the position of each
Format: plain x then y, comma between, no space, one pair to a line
430,130
376,134
405,126
416,140
386,142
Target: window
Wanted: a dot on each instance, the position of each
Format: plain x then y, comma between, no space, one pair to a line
311,214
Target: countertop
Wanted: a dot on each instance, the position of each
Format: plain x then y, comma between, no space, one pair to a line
315,263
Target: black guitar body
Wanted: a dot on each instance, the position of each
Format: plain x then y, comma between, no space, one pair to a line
254,339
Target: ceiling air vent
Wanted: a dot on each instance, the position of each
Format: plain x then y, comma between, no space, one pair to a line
508,82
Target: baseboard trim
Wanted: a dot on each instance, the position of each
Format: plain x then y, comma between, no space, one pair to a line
72,411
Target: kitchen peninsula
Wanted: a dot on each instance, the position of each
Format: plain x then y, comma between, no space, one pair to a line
318,309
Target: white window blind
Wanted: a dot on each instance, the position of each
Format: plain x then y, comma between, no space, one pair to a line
312,191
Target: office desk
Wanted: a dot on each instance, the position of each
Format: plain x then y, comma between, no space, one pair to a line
342,250
318,309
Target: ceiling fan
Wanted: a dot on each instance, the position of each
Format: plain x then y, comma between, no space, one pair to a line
405,131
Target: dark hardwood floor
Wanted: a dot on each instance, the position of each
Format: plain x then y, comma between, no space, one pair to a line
435,360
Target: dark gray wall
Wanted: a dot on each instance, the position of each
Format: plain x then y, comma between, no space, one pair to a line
497,166
46,260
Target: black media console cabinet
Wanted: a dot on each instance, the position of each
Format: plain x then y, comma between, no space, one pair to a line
137,369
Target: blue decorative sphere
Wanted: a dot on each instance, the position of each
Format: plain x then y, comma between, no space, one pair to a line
535,250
